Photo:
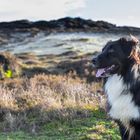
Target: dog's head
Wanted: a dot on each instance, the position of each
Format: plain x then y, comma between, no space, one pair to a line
116,55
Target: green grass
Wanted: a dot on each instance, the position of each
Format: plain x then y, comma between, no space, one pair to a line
95,127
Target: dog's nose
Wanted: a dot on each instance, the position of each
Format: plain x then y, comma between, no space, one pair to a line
94,60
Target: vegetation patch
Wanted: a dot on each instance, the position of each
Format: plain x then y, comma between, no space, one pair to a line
53,107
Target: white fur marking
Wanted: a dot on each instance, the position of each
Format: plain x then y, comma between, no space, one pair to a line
123,108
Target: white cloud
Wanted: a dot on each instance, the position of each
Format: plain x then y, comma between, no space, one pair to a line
37,9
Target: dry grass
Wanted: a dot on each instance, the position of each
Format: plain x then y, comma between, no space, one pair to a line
63,103
27,103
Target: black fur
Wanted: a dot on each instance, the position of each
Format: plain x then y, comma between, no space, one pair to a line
125,54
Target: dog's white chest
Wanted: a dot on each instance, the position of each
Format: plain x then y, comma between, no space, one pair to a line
120,99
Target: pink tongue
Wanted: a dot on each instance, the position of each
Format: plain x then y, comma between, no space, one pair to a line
100,72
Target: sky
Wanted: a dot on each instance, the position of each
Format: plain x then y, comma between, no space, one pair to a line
120,12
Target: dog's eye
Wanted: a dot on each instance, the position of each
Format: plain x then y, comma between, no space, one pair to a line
110,52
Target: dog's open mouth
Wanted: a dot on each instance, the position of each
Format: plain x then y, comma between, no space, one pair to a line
107,71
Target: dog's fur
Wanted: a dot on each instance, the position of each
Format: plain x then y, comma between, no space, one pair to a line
123,85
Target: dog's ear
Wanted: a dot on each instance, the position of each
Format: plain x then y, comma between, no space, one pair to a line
129,45
134,40
126,46
135,54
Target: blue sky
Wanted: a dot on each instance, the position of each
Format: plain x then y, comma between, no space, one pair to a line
120,12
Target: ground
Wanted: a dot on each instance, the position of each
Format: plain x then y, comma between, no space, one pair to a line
96,127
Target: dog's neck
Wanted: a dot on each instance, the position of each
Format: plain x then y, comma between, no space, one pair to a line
131,78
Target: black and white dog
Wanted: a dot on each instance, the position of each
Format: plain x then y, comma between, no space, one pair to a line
119,61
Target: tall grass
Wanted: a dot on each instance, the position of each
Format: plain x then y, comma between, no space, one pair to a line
27,103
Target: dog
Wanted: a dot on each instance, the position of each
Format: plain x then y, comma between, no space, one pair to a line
119,63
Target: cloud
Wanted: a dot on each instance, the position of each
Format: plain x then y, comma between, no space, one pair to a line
37,9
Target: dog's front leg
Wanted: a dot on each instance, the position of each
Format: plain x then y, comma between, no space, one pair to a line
124,133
